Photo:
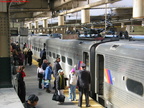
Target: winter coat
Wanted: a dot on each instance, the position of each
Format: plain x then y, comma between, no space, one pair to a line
56,67
47,73
58,85
84,79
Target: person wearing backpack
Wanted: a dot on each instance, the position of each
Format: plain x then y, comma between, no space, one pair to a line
72,82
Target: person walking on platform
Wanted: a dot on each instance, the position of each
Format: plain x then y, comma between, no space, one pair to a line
29,54
56,67
21,84
40,73
84,80
47,76
32,101
60,83
72,82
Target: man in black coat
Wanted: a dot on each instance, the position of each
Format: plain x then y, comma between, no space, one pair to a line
56,67
84,80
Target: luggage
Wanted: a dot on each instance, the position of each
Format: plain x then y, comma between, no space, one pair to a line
61,98
56,97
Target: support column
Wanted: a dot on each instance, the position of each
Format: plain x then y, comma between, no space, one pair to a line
5,64
36,26
30,26
138,7
60,20
85,16
45,23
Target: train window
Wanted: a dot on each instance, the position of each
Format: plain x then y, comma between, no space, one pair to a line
86,58
134,86
54,55
63,59
50,54
58,56
69,61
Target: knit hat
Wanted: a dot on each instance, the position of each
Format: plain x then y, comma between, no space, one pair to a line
73,70
60,70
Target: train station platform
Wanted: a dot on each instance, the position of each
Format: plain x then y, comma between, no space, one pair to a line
45,99
10,99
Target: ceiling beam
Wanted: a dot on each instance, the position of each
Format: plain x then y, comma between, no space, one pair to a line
98,3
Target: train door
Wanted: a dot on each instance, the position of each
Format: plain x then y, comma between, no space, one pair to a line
100,78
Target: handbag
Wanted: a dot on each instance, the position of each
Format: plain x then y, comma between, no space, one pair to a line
61,98
55,97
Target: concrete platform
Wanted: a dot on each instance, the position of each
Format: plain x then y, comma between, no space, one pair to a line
45,99
9,98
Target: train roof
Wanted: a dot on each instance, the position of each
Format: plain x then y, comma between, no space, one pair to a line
67,43
125,48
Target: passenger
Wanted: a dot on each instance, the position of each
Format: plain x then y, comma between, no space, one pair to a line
44,64
60,83
43,55
25,51
72,81
21,57
15,57
47,77
21,84
84,80
29,54
40,73
56,67
32,101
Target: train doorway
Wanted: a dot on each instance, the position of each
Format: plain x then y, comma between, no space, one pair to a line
100,76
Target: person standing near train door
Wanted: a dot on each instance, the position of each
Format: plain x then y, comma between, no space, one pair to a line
29,54
84,80
56,67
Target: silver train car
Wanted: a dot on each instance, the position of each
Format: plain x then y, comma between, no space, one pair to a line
116,67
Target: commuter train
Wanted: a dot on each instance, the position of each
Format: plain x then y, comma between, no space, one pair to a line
116,66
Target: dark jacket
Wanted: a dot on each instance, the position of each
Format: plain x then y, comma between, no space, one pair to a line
84,79
26,105
58,85
56,68
44,65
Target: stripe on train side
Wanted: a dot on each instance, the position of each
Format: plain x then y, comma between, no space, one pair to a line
108,76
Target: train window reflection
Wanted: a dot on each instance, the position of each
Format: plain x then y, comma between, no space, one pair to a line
63,59
50,54
69,61
134,86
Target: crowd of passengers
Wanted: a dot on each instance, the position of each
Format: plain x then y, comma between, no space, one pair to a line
77,78
21,56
